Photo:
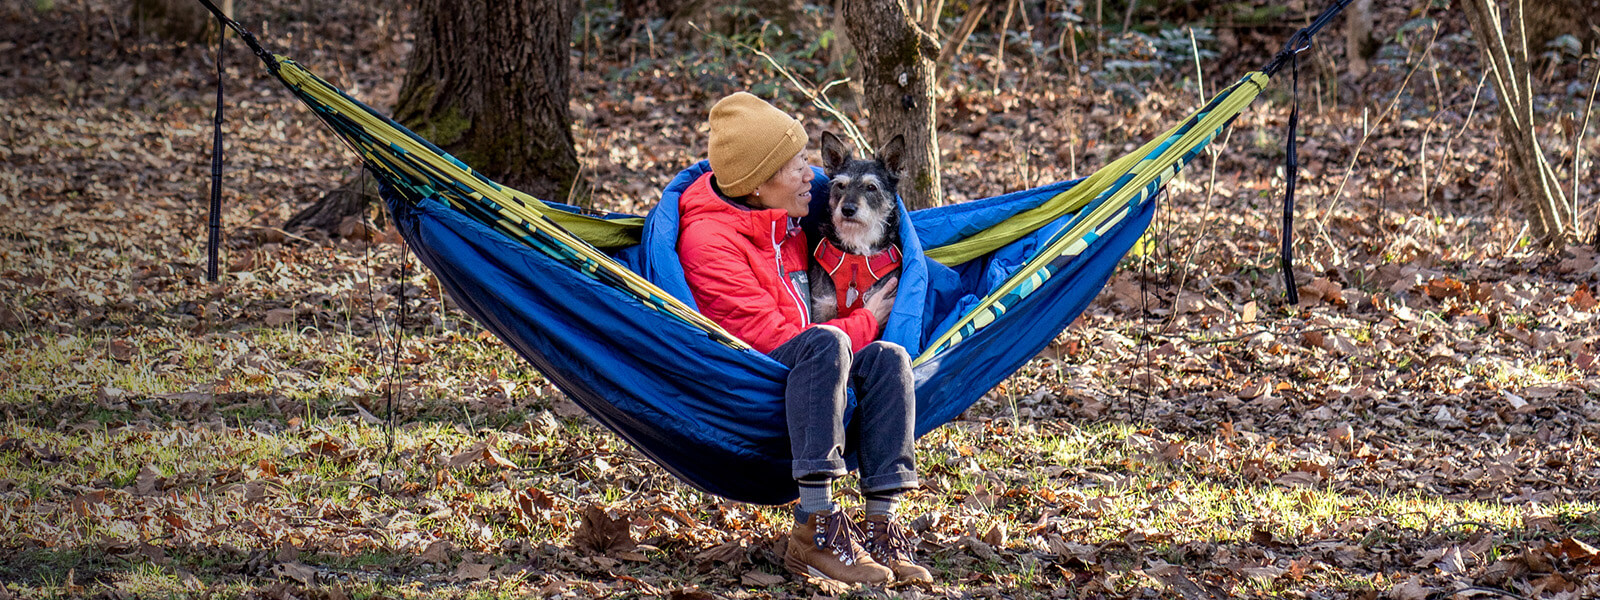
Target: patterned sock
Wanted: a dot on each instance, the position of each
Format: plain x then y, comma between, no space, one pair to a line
816,496
884,503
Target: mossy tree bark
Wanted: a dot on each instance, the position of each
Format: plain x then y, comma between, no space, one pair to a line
488,83
897,61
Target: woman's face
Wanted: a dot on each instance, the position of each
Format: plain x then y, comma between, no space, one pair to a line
788,189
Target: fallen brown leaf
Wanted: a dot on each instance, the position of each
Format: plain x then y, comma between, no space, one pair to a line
761,579
1410,590
437,553
278,316
299,572
481,453
691,594
996,535
599,533
470,571
147,482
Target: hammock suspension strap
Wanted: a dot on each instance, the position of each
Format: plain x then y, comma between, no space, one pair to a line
214,221
244,34
1291,172
1299,42
214,235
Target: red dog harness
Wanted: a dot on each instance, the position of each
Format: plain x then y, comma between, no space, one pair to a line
854,274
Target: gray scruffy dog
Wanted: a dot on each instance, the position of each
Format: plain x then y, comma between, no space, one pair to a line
859,248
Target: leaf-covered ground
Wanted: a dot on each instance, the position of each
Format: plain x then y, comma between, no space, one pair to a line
1423,425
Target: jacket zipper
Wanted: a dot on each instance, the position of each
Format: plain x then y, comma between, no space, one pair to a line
777,259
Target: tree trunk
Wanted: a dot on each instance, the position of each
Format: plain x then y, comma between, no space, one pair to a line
896,58
488,83
1550,216
175,20
1359,45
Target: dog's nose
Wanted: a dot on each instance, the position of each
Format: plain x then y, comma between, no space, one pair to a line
848,210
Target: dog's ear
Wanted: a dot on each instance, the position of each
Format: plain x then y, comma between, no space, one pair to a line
893,154
834,153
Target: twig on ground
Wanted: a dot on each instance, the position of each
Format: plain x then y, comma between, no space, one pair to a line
1472,109
1237,338
1491,590
554,466
334,482
281,232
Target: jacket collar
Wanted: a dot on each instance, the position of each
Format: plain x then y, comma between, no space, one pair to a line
764,226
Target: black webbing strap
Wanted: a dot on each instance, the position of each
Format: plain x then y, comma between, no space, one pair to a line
1299,42
214,235
244,34
214,221
1291,172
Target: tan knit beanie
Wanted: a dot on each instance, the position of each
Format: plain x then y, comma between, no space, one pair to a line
750,141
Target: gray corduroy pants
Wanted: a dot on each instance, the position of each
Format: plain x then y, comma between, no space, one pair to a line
821,368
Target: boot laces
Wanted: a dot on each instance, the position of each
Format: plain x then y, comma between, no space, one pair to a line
838,534
890,539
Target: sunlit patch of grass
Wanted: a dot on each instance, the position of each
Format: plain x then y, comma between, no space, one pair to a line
150,580
131,375
324,476
1520,373
1177,497
1174,501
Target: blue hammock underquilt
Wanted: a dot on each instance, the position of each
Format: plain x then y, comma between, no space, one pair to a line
712,414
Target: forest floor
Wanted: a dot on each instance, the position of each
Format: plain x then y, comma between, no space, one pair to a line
1424,424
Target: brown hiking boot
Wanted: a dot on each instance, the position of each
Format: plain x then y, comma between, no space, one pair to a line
826,545
893,546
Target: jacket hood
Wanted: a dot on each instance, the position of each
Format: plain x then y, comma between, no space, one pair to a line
756,224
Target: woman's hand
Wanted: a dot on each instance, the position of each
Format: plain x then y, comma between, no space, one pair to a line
881,302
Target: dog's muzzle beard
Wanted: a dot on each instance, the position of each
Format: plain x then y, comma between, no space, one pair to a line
856,236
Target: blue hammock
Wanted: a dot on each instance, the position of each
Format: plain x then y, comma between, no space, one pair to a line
597,302
710,413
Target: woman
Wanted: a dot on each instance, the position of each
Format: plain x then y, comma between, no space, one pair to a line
744,256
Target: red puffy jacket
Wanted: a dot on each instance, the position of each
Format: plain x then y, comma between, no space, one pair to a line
741,265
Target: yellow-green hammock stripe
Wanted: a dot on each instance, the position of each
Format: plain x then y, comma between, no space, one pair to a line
577,238
515,213
1113,191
